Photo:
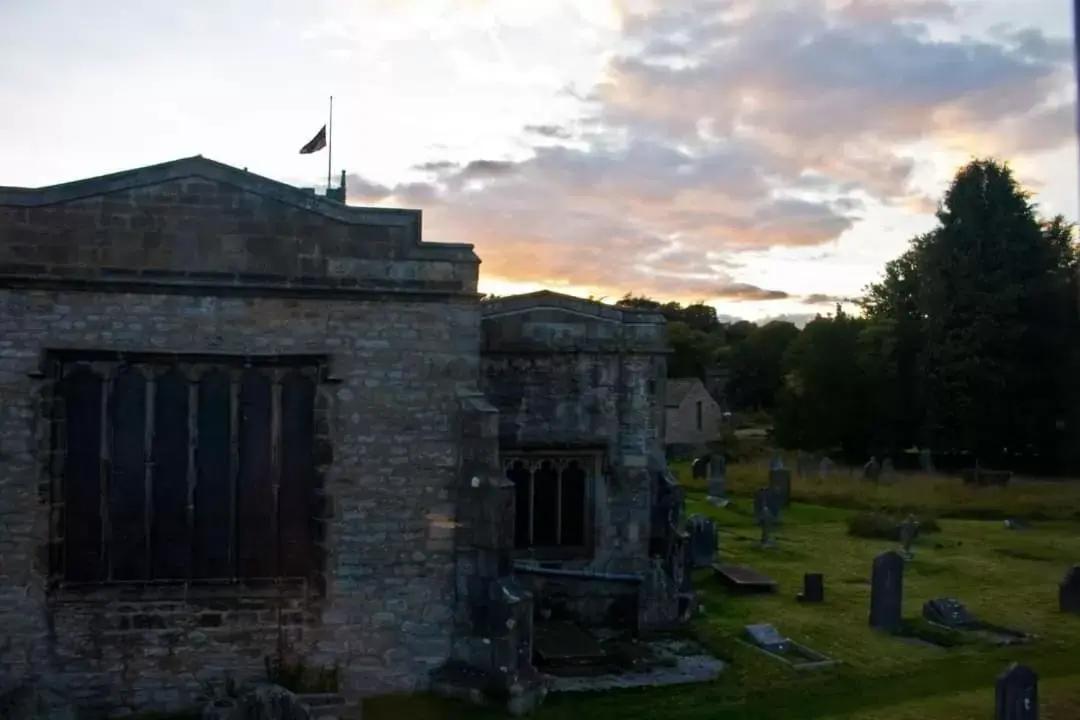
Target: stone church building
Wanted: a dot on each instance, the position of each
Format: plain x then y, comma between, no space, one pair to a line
241,422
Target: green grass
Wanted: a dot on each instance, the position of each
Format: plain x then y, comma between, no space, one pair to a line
935,495
1006,577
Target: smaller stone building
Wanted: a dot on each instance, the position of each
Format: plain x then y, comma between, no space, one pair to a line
693,417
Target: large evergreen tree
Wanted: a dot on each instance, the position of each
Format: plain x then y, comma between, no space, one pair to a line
994,325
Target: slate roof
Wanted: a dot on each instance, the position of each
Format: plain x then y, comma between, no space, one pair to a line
678,389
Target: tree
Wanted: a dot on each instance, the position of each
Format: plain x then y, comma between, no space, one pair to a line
757,365
822,403
890,346
992,298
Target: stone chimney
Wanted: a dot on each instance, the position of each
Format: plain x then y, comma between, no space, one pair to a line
339,193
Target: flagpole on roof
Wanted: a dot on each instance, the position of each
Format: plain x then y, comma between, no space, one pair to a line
330,145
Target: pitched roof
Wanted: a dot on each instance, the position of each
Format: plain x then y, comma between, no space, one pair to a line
207,169
678,389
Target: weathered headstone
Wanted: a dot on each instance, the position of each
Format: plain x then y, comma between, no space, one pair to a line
766,511
909,533
699,469
1016,694
825,467
703,540
780,484
813,588
872,469
926,461
888,470
1069,591
717,469
887,592
949,612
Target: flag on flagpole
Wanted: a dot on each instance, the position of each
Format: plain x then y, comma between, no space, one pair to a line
316,143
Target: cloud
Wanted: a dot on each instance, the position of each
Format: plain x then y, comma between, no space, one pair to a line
724,127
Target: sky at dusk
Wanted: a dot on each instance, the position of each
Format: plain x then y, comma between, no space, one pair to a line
766,157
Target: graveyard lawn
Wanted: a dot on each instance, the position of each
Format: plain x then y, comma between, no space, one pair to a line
1006,577
934,495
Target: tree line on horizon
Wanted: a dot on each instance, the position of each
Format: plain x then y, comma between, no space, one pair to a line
966,345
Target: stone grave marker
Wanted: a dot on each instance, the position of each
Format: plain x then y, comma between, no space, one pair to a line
887,592
813,588
717,469
1069,591
949,612
872,469
703,540
780,484
699,469
776,463
1016,694
926,461
766,511
909,533
888,470
825,467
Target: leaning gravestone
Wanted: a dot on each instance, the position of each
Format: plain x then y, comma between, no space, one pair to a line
887,592
1016,694
1069,591
780,484
703,540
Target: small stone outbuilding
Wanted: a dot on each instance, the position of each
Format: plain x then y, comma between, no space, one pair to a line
241,421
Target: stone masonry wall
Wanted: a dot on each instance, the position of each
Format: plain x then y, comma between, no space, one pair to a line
388,614
225,265
574,374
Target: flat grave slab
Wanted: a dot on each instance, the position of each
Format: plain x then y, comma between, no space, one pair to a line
768,640
952,614
744,578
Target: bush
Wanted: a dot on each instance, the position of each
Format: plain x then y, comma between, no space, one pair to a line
883,526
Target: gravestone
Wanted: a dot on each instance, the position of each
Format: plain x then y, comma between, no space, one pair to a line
1016,694
813,588
766,511
826,467
949,612
888,470
909,533
699,469
703,540
776,463
887,592
926,461
872,469
780,484
1069,591
765,636
717,470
